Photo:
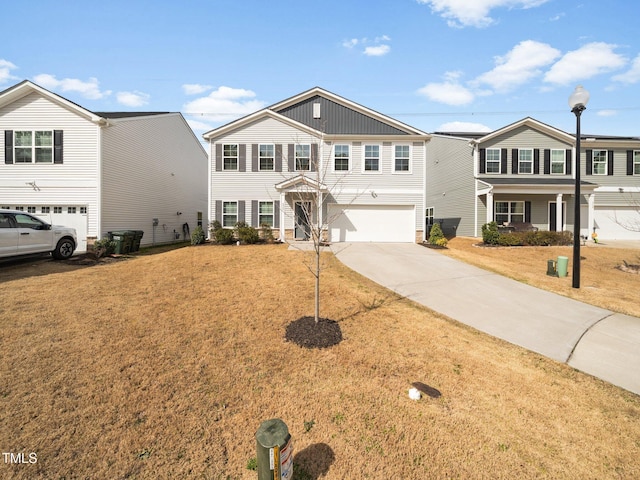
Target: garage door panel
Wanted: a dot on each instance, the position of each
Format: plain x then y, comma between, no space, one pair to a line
74,220
621,223
372,223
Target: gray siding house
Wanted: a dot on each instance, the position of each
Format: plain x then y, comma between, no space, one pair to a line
318,157
524,172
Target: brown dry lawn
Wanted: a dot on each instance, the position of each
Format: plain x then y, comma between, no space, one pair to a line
164,365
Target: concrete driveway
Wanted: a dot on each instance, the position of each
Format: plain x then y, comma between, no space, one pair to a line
590,339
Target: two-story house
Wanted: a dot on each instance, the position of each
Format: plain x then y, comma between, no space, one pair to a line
97,171
525,172
317,157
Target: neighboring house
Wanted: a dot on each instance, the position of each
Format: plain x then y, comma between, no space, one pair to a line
100,172
524,172
277,165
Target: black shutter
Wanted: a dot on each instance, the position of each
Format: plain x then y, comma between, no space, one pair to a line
483,160
536,161
8,146
503,161
547,161
568,162
242,157
254,214
527,211
241,212
254,158
57,146
218,157
313,161
291,161
514,161
276,214
278,158
589,162
219,211
629,162
610,162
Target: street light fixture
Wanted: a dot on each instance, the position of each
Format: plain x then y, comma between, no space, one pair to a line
578,103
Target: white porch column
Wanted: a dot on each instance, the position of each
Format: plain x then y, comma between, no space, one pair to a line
591,222
559,219
281,215
490,206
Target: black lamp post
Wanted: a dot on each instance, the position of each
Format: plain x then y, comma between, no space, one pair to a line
578,103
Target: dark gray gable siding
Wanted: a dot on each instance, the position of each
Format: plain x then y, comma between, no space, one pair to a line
337,119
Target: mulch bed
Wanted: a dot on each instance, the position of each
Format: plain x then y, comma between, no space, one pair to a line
306,333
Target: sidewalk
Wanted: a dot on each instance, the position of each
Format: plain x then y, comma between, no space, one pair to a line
588,338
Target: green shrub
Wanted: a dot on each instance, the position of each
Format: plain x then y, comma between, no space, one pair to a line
223,236
213,226
509,239
490,233
246,233
267,232
197,237
436,237
104,247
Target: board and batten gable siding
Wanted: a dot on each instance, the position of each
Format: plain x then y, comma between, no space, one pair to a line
450,185
75,181
153,167
336,119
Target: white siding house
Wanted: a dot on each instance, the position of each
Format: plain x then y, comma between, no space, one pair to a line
100,172
367,169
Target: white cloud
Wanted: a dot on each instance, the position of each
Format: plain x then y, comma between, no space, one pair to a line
519,65
474,13
468,127
89,89
586,62
352,42
607,113
632,75
133,99
377,51
195,88
449,92
224,104
5,70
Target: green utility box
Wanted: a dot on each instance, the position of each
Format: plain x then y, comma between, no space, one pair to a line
274,451
551,268
123,241
563,264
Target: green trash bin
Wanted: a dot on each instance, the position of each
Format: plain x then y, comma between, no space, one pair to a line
562,266
123,241
136,238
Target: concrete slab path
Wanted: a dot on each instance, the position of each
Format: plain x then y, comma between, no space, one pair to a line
591,339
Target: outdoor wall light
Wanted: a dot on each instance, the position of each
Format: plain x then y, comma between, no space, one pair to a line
578,102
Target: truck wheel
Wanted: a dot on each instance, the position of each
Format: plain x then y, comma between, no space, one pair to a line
64,249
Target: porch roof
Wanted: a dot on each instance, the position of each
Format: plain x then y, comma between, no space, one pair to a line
533,185
301,183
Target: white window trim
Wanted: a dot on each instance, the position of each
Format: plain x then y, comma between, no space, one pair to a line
260,169
223,215
34,148
349,158
606,162
237,157
295,157
499,161
393,159
510,213
273,215
364,158
551,162
521,162
636,162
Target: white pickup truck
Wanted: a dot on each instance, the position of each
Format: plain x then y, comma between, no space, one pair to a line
24,234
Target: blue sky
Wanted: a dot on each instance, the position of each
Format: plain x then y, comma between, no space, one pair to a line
474,65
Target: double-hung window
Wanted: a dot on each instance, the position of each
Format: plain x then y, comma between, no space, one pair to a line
229,214
33,146
372,158
303,157
230,157
557,162
507,212
401,158
265,213
266,157
493,160
341,158
636,162
599,162
525,160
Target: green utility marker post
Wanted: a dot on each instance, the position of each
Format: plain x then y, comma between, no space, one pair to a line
274,451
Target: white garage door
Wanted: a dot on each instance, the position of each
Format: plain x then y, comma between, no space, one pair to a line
372,223
69,216
622,223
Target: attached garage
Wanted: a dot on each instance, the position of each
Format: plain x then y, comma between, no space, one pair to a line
372,223
621,223
68,216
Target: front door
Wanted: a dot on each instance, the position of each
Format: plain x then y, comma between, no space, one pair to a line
302,221
553,218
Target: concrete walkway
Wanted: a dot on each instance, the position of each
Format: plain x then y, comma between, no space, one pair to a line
588,338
